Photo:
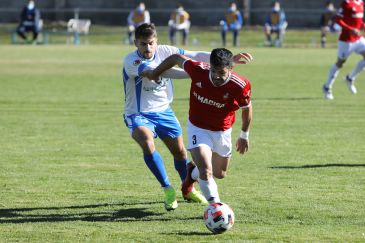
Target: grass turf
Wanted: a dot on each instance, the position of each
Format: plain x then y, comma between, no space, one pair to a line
69,170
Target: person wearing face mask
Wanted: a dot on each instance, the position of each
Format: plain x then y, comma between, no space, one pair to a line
29,22
179,21
328,22
275,23
233,21
135,18
216,92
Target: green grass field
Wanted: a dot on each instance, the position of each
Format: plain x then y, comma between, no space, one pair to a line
69,171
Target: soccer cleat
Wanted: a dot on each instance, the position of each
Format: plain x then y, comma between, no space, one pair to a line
327,93
170,199
350,84
188,184
196,196
187,187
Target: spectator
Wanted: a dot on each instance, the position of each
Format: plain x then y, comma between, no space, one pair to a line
328,23
232,22
29,22
275,23
179,21
137,17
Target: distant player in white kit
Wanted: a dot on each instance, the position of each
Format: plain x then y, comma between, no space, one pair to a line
216,92
147,111
350,18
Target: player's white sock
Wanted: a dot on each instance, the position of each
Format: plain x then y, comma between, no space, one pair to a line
209,189
359,67
332,74
195,174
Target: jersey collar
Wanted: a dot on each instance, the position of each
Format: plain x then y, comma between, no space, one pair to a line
141,56
226,81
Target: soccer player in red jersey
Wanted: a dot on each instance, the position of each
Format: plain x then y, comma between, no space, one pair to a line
216,92
350,18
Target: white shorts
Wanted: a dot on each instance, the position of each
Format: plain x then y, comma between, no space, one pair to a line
218,141
346,48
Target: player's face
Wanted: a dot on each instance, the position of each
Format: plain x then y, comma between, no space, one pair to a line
219,75
146,46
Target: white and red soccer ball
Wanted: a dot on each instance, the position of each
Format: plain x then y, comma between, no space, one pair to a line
218,217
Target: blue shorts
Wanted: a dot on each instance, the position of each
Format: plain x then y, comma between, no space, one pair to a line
162,124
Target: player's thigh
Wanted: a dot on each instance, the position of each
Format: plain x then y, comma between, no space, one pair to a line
144,137
220,165
142,131
200,146
344,50
359,46
202,156
197,137
222,143
138,120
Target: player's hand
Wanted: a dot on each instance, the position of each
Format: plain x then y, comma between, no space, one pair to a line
242,58
150,74
241,145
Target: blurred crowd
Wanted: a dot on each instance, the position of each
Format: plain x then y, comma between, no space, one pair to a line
275,23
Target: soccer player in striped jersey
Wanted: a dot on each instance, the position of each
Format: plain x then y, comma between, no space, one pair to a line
216,92
350,18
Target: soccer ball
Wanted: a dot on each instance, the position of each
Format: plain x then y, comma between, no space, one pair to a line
218,217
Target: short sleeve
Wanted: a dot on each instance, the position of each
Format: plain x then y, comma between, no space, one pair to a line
244,99
166,51
189,66
131,65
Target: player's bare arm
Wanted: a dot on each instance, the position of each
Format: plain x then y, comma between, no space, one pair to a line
178,59
171,61
242,143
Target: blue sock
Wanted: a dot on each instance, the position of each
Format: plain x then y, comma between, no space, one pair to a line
180,166
155,164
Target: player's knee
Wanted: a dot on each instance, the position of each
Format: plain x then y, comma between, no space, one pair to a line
148,146
180,154
340,63
220,174
205,174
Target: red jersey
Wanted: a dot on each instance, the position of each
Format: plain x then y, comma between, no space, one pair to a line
350,16
213,108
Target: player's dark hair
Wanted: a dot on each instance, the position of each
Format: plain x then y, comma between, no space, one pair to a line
221,57
145,31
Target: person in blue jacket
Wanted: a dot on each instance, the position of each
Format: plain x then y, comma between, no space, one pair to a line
233,21
29,21
275,23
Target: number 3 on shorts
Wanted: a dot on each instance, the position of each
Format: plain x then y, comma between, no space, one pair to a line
193,139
